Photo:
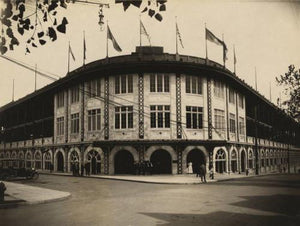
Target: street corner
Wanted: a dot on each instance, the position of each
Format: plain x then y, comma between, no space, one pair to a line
20,194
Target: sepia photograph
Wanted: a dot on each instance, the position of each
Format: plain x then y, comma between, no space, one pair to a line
149,112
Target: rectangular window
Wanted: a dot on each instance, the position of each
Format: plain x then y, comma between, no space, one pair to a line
124,117
123,84
193,84
60,99
241,126
94,120
160,116
159,83
232,123
218,89
74,94
94,88
75,123
241,100
60,125
194,117
231,96
219,120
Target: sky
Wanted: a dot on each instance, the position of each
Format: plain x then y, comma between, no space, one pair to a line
265,34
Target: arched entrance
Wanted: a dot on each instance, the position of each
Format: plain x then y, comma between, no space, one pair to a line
94,159
197,158
220,163
60,161
243,161
162,162
124,162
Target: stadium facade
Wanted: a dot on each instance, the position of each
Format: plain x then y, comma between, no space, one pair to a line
153,106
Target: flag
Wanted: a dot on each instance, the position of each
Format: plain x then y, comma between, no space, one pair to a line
179,36
234,57
211,37
111,37
84,47
144,32
71,52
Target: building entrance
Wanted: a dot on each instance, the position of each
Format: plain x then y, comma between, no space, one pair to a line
94,160
197,158
243,161
60,162
162,162
124,162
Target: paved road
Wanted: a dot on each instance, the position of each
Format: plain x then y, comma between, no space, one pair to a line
268,200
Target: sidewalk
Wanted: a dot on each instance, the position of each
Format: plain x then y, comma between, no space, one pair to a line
20,194
162,179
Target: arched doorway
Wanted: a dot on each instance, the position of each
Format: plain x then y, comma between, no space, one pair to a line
94,159
60,161
197,158
124,162
162,162
243,161
220,159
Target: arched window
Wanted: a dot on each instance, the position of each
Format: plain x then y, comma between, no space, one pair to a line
94,161
38,160
251,159
74,159
262,158
220,159
233,161
28,160
47,158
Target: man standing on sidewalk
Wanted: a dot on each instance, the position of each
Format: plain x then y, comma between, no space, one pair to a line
203,173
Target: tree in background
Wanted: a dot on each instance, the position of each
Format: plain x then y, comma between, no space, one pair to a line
41,20
291,82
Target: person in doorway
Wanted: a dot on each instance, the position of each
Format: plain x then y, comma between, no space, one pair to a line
203,173
190,168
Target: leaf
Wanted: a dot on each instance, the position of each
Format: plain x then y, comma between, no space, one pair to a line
45,17
145,9
22,8
55,22
6,22
40,34
158,17
151,12
52,34
34,45
9,32
52,6
3,49
42,42
14,41
20,30
15,17
27,50
62,27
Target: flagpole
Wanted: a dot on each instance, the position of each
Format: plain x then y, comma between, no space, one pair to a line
69,58
107,39
223,51
176,35
140,32
206,55
83,47
234,59
255,80
270,93
35,78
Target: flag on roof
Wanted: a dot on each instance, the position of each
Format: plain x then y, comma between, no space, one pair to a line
144,32
179,36
114,42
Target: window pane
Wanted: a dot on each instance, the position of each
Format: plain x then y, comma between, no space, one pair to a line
166,83
194,121
199,85
187,84
117,121
123,120
130,120
160,120
117,84
167,120
194,83
152,83
153,119
188,120
123,84
159,83
130,84
98,93
200,121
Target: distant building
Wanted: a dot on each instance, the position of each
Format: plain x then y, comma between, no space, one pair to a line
149,106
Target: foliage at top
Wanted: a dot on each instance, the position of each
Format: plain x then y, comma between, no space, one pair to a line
40,19
291,82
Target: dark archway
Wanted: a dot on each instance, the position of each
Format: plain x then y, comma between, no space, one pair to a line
60,162
124,162
196,157
162,162
243,161
95,166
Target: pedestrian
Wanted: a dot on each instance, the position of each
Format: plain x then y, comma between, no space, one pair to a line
190,168
203,173
197,170
247,172
2,190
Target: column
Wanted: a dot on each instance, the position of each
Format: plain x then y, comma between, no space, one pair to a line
106,107
209,110
178,107
141,105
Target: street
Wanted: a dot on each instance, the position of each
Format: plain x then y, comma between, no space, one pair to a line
266,200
